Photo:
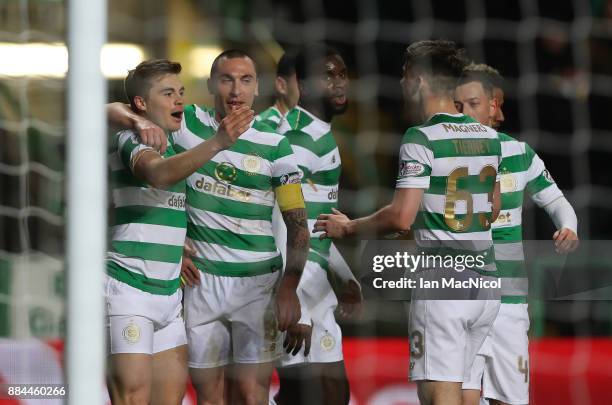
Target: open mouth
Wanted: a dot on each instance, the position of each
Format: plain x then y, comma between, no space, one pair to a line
177,114
234,104
340,99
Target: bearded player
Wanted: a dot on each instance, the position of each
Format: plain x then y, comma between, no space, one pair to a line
287,96
316,373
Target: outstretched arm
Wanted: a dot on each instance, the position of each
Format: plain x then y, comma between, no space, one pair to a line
150,167
397,216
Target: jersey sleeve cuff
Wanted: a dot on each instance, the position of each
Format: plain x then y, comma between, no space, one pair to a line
412,183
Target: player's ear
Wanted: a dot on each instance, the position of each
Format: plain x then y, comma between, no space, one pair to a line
140,103
493,106
419,85
280,84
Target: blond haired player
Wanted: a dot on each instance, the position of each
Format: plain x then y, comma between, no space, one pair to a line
146,333
501,368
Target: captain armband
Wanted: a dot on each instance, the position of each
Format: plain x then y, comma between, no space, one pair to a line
289,197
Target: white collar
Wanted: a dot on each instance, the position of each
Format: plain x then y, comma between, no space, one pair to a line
318,123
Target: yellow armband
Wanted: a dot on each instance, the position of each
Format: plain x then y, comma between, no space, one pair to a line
289,197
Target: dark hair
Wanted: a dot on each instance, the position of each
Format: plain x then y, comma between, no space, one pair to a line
138,80
286,65
439,59
487,75
230,54
308,58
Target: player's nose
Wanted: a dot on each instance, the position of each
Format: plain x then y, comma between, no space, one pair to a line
235,89
341,83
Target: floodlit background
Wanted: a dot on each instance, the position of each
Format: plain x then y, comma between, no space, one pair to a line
555,55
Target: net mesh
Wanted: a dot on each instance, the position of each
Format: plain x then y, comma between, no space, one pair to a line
31,175
556,59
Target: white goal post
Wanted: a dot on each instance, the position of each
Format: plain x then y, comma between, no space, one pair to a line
86,199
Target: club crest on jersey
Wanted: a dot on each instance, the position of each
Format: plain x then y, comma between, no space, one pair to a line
327,342
547,176
131,333
226,172
508,183
251,164
410,168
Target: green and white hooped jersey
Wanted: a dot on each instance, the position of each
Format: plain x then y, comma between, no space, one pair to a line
149,224
271,117
456,160
230,199
521,170
318,158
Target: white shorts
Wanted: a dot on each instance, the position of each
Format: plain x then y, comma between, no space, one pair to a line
232,320
316,293
445,336
502,364
140,322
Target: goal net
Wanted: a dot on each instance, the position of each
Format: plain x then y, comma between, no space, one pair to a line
556,58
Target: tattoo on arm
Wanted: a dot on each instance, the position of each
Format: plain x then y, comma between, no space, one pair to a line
298,239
